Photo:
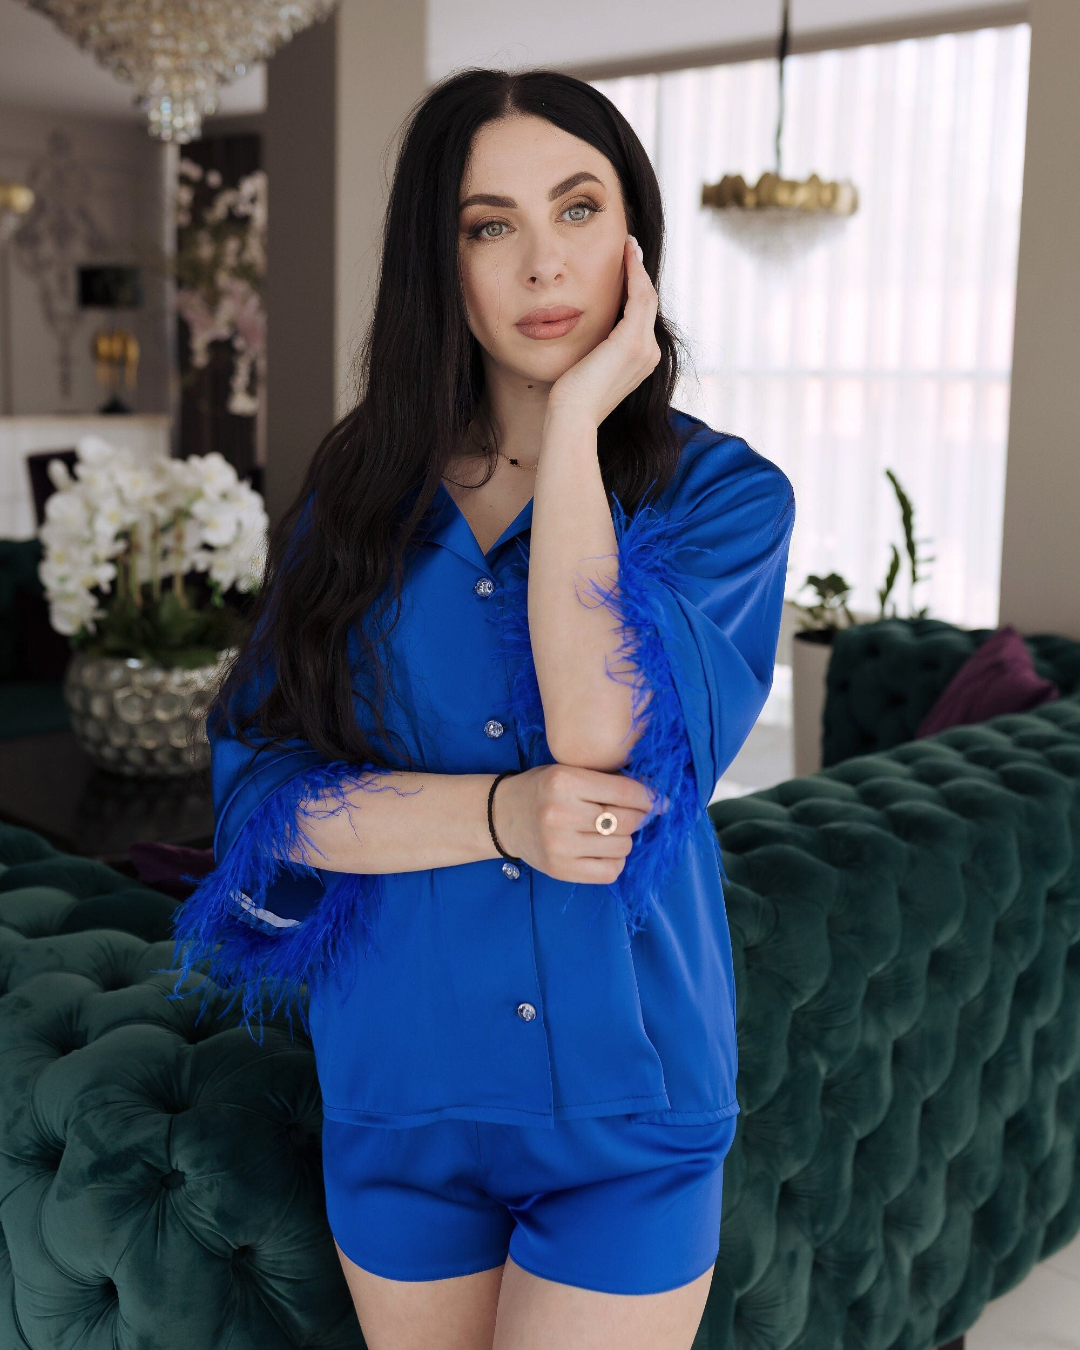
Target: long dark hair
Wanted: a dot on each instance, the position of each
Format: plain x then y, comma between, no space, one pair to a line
337,559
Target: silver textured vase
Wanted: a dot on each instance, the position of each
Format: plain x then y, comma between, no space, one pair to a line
139,719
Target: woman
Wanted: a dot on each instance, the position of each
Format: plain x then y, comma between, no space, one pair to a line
516,625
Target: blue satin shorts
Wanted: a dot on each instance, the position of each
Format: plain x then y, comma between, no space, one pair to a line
605,1202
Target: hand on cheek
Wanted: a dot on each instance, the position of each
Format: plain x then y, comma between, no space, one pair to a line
604,376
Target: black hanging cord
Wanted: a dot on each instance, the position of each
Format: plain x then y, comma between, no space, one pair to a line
785,40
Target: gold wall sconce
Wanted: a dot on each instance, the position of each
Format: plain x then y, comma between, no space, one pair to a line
116,360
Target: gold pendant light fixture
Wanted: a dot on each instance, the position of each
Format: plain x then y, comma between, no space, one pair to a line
178,53
778,219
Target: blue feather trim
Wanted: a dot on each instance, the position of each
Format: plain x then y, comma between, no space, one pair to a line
661,757
258,961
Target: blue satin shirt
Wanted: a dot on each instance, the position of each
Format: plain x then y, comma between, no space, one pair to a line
490,991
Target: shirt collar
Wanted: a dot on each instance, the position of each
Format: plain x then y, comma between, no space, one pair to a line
451,530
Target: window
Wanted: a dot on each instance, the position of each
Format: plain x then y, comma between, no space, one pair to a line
890,347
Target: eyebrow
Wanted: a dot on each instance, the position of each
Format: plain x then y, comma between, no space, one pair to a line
488,199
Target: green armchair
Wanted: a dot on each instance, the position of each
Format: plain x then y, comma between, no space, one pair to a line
32,656
906,936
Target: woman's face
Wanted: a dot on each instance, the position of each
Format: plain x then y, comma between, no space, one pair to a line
541,227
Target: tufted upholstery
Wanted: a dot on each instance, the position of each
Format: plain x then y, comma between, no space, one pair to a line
884,677
906,937
160,1182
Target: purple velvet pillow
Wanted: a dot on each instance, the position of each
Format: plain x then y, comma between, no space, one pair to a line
167,867
998,677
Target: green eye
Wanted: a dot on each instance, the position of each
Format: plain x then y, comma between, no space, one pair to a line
585,207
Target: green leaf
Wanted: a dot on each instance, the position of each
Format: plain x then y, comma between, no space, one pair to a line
187,658
890,581
164,632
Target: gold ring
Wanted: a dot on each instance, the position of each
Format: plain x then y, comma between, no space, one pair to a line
606,822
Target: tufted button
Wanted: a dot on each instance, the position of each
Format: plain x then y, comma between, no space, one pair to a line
493,728
526,1012
509,870
173,1180
484,586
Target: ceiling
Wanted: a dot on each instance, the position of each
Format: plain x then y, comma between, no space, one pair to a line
602,32
41,68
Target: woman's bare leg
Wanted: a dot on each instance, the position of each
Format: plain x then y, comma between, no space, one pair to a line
453,1314
537,1314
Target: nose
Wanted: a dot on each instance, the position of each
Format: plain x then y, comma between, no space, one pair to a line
544,260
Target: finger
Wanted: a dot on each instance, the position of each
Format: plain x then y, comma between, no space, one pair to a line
628,820
618,789
638,282
601,846
593,871
614,790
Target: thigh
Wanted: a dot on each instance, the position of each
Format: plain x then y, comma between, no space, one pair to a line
457,1313
421,1244
622,1255
539,1314
629,1207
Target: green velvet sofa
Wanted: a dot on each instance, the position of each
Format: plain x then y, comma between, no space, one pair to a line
160,1181
906,935
883,679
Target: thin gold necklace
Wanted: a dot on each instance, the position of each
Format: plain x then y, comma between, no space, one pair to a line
514,462
486,445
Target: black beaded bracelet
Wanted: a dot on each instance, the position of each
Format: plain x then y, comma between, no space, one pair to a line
491,820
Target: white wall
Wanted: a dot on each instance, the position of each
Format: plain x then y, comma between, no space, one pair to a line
108,195
1040,561
567,32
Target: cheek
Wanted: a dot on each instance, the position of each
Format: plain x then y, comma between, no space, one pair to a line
602,264
480,285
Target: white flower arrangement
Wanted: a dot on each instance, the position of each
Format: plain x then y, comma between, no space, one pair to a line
123,532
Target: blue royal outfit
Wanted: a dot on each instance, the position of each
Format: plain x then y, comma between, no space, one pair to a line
489,991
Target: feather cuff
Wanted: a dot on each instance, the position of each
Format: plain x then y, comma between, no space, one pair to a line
661,757
249,951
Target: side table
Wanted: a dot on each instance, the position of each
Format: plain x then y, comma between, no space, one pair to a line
50,785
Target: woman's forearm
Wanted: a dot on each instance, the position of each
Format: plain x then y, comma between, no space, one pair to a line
432,820
574,640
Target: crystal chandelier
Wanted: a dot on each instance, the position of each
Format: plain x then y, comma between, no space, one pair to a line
778,219
178,53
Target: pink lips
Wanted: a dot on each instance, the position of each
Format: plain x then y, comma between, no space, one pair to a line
551,322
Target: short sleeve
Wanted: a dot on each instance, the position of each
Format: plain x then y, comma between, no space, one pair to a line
712,578
699,597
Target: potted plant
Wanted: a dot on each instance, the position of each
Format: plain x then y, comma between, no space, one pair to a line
819,620
146,564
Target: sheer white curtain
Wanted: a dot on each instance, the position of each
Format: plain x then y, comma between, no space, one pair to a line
890,348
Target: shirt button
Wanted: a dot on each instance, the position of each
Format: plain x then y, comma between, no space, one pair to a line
526,1012
509,870
493,728
484,586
